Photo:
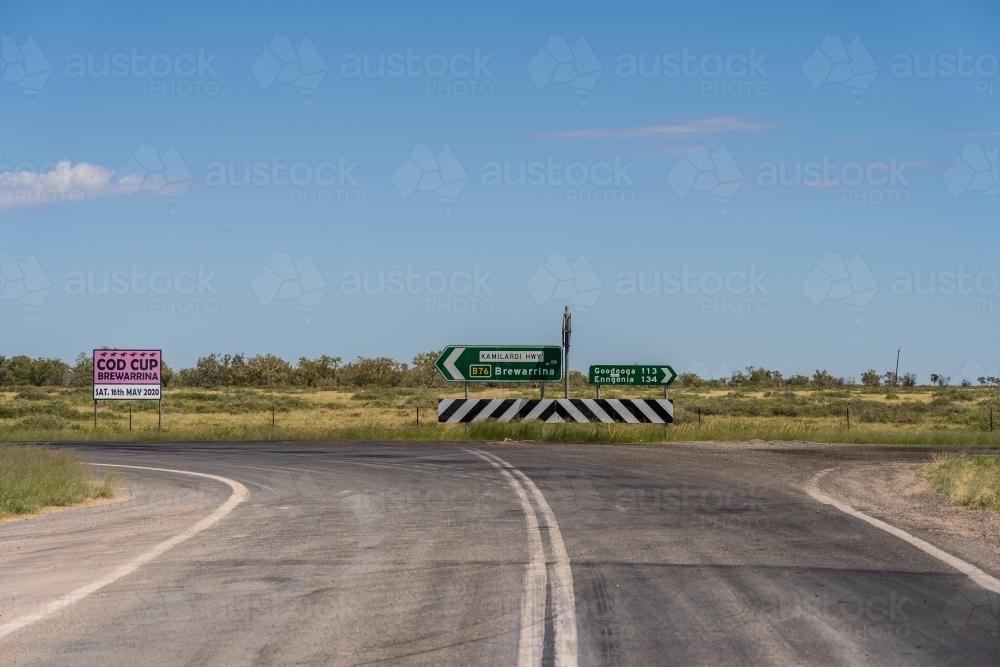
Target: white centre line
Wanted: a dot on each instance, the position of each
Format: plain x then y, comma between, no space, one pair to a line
239,494
563,599
532,637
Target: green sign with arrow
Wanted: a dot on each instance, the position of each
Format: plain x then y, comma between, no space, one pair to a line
632,375
501,363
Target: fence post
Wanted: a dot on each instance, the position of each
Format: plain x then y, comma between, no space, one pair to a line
848,418
418,416
159,414
130,416
272,415
95,413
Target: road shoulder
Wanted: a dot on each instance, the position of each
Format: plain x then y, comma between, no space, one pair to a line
896,494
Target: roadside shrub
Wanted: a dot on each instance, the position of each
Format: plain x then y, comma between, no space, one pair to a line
377,371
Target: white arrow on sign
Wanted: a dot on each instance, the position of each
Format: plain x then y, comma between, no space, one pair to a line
449,363
666,374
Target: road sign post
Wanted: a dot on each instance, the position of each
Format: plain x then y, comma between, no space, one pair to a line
567,330
501,363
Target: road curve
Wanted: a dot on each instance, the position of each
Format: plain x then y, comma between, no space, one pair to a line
494,554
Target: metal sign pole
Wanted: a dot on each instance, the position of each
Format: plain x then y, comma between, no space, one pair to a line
95,413
567,330
466,391
666,396
159,414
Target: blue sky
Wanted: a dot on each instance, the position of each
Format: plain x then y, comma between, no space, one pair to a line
383,212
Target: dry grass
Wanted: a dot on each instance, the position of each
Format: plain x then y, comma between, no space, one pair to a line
919,416
973,482
35,477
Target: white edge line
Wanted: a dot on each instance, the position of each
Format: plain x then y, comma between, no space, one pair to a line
239,494
986,581
563,598
532,637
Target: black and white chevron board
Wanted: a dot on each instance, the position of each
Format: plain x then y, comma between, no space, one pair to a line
554,410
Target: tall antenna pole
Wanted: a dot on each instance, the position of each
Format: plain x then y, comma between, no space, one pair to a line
895,376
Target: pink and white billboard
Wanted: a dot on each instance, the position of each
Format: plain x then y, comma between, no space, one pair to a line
127,375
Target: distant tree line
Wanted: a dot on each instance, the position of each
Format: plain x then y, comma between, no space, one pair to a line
268,370
239,370
764,378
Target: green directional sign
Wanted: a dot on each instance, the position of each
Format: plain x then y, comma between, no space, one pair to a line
501,363
632,375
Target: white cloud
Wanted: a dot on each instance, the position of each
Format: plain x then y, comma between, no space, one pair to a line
65,183
701,127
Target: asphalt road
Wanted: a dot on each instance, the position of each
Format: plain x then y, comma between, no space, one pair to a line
439,554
